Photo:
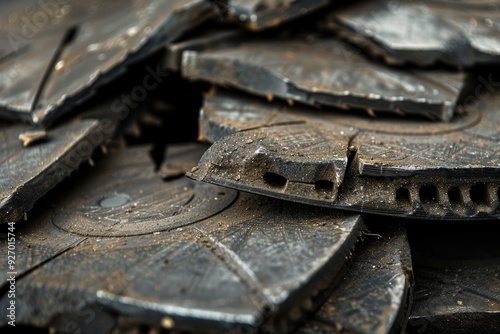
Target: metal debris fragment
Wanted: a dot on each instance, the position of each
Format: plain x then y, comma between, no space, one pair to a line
375,294
459,33
28,173
385,166
31,137
62,66
326,72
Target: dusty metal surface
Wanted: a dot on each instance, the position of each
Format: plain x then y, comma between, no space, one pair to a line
257,15
63,64
457,272
374,296
324,71
27,173
269,256
459,33
384,166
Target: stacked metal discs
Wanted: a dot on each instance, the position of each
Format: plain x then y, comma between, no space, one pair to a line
236,166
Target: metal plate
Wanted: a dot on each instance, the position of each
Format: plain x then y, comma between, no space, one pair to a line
95,50
258,15
324,71
457,273
269,256
29,172
375,294
384,166
459,33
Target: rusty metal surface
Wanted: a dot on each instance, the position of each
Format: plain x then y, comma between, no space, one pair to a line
76,59
27,173
270,256
258,15
374,296
459,33
385,166
457,272
324,71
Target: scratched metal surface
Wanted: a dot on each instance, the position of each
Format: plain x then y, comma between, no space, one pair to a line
459,33
324,71
162,254
457,274
27,173
386,166
258,15
92,51
375,294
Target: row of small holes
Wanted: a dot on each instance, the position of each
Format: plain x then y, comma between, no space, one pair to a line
277,181
429,194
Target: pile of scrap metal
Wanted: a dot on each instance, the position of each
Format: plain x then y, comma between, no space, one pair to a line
250,166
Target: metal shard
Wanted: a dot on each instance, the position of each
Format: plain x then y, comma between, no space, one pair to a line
123,239
409,169
456,279
29,172
74,60
459,33
374,296
258,15
326,72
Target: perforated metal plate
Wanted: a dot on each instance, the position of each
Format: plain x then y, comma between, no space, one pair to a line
460,33
384,166
262,14
161,259
27,173
63,63
324,71
375,294
457,272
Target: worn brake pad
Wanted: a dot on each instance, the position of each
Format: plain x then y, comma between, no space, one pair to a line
385,166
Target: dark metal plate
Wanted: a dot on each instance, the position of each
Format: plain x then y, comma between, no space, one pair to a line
385,166
243,268
29,172
95,50
460,33
374,296
457,279
257,15
326,72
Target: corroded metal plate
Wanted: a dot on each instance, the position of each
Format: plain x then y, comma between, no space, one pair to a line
63,64
459,33
457,273
375,294
268,255
385,166
326,72
27,173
